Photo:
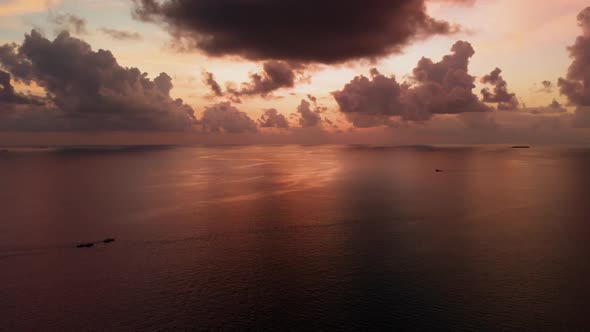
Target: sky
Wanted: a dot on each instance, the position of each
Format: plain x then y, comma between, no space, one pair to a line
294,71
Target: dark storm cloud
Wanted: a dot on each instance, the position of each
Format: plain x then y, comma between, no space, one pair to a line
89,90
294,30
505,100
209,80
121,34
443,87
576,84
273,119
275,75
69,22
308,116
223,117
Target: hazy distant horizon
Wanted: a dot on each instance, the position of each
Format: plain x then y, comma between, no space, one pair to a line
211,145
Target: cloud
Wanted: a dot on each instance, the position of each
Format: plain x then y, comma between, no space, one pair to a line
370,102
16,63
294,30
121,34
553,108
330,123
498,127
313,99
443,87
308,117
546,87
69,22
223,117
275,75
505,100
89,90
7,94
273,119
209,80
576,85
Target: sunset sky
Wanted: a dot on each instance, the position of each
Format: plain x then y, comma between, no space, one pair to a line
294,71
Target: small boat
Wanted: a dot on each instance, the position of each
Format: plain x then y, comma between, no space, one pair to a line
85,245
521,147
439,170
109,240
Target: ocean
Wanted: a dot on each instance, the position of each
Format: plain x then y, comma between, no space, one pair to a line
295,238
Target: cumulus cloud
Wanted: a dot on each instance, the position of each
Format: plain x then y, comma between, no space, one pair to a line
89,90
309,117
273,119
223,117
369,102
317,31
576,85
121,34
443,87
69,22
504,99
15,63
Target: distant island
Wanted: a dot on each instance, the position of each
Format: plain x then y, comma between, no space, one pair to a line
521,147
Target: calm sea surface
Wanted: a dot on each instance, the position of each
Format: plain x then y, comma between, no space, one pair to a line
295,238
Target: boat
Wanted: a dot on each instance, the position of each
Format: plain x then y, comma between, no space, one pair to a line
521,147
